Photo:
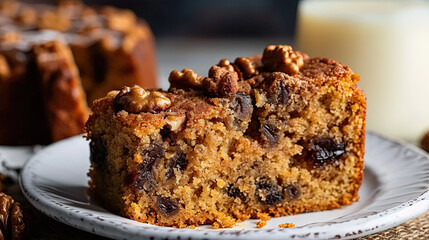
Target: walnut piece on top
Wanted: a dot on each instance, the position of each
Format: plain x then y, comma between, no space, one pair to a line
221,82
282,58
135,100
187,78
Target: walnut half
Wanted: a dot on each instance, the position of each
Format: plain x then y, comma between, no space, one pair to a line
282,58
135,100
185,79
12,224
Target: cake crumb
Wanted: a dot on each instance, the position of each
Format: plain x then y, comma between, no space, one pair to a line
286,225
261,224
220,183
263,216
216,225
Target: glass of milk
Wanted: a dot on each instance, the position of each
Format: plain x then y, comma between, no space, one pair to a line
387,44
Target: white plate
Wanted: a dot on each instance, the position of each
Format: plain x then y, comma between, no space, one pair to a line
394,190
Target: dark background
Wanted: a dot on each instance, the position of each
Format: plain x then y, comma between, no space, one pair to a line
211,18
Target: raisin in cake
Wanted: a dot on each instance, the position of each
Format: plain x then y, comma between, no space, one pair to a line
106,49
277,134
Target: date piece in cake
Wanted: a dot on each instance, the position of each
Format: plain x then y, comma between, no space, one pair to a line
274,135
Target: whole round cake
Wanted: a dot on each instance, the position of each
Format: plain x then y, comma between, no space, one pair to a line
55,59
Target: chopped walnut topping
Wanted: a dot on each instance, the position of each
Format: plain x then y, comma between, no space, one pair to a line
221,82
227,79
226,64
185,79
245,67
175,123
282,58
135,100
11,219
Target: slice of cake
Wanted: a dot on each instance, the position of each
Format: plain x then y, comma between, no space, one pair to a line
277,134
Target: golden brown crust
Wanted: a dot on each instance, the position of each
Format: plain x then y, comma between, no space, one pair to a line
283,144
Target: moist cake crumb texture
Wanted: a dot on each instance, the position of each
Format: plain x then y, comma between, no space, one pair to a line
260,137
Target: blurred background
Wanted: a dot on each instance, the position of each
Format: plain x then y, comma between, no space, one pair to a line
208,18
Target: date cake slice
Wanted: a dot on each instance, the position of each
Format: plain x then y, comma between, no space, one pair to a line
276,134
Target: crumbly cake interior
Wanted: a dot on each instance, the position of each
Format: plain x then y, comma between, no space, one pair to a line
276,142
